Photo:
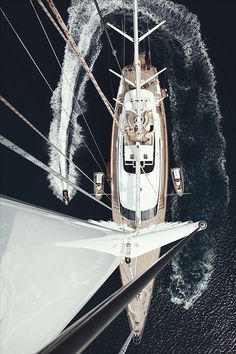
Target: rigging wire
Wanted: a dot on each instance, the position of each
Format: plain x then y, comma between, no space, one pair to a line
77,102
44,137
46,168
110,77
107,34
165,73
148,38
124,30
44,78
22,43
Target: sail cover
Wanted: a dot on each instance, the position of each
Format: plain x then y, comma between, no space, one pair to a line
44,281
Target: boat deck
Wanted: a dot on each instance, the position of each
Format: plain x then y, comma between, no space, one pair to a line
138,308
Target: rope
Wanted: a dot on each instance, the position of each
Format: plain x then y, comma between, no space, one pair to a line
44,137
81,112
46,168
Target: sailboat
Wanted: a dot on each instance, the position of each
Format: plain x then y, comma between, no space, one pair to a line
52,264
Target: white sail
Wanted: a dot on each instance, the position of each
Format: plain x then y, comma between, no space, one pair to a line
43,283
52,264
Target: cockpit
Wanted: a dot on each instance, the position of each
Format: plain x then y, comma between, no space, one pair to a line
146,138
146,154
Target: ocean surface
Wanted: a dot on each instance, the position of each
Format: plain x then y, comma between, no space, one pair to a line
193,308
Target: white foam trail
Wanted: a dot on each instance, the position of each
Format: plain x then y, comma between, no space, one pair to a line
181,292
62,102
181,36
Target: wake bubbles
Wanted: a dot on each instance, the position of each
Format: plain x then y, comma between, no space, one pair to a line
196,140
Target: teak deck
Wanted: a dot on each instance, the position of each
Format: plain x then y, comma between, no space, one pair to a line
138,308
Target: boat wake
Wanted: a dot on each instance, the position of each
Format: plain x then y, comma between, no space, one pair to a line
194,117
186,287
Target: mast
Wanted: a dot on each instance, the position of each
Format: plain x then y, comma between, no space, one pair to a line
137,65
138,118
137,172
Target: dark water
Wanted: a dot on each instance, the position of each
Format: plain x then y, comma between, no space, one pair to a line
193,308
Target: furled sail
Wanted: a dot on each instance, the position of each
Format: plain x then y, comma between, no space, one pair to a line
43,283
